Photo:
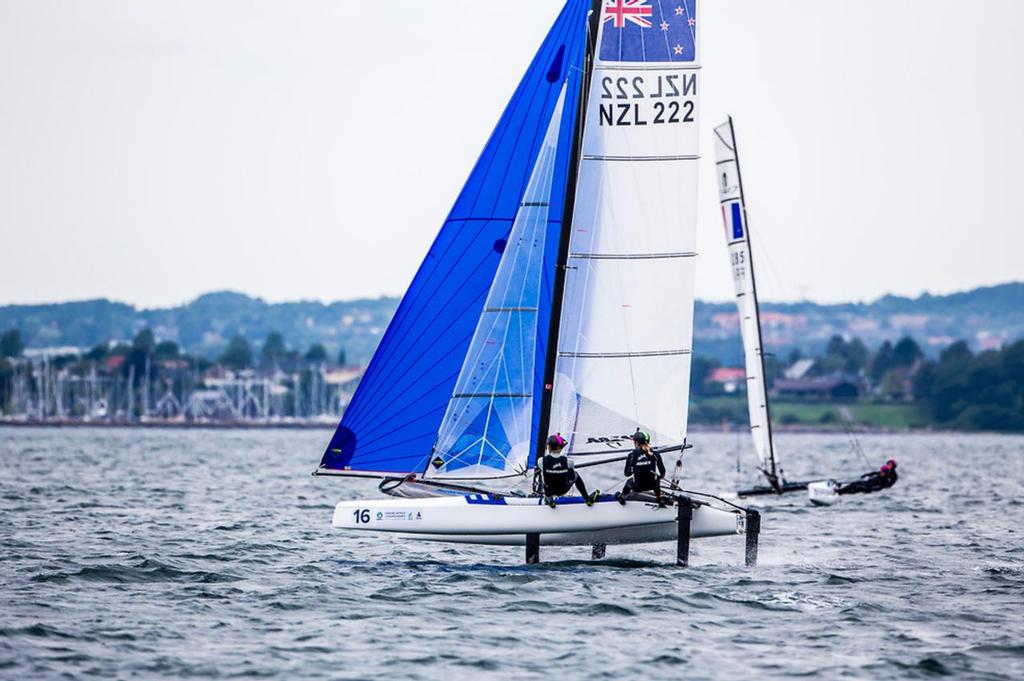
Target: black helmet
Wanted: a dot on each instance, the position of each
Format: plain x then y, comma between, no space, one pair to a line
556,441
641,438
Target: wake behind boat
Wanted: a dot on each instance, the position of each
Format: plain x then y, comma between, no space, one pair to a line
558,297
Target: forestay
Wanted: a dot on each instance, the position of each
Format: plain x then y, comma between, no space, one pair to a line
627,316
737,236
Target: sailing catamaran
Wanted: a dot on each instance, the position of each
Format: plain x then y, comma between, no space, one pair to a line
741,261
558,297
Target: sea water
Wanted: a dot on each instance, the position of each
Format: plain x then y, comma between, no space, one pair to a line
137,553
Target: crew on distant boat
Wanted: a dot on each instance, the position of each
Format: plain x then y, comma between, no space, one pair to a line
889,475
558,473
873,481
644,470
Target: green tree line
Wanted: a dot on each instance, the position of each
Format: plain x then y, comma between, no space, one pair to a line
968,391
960,390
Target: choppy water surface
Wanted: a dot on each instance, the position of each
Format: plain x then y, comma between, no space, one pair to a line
141,554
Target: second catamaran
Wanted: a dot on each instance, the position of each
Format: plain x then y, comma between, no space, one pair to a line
741,262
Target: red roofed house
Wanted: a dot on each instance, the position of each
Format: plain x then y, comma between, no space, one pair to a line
730,378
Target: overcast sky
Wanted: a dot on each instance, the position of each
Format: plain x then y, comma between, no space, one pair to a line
152,150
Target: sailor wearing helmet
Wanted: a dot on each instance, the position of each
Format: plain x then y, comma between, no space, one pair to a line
872,482
644,470
889,476
558,473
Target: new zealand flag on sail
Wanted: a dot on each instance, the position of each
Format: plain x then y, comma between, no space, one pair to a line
649,30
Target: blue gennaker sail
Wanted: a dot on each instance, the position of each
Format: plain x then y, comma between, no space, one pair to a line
392,423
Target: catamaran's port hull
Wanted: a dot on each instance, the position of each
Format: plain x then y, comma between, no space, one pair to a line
481,519
639,534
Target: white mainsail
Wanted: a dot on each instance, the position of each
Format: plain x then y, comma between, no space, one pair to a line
627,315
486,428
737,236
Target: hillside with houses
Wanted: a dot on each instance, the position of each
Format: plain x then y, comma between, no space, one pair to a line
894,385
946,361
986,318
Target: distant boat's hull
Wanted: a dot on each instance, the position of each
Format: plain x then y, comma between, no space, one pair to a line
822,493
482,519
787,488
829,492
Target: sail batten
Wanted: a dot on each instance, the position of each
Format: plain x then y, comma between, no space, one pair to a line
623,355
630,256
683,157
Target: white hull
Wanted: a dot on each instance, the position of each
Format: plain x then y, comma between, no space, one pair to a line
481,519
822,493
638,534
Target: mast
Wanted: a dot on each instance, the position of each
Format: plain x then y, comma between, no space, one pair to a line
774,474
558,288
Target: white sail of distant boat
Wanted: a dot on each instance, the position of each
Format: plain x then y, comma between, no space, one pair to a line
558,297
741,262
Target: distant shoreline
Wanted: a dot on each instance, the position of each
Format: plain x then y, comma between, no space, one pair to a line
168,425
695,428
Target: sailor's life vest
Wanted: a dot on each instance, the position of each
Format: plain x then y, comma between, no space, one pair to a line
558,471
645,469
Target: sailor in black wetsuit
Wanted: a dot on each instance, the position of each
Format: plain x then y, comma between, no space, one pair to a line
644,468
874,481
558,473
865,484
889,478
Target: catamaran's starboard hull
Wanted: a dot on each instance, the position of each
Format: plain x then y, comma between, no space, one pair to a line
483,519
